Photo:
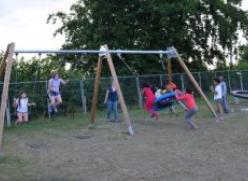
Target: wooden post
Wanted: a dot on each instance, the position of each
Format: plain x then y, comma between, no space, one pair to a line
9,62
8,116
169,70
192,79
119,92
95,92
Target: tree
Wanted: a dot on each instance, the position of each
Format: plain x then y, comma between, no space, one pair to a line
243,60
200,30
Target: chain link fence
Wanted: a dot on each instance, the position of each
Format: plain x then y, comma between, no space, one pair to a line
77,94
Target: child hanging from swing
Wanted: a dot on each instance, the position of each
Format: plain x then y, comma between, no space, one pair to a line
191,107
54,91
21,104
149,101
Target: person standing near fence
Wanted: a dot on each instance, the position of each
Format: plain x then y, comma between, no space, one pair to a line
224,95
111,99
218,99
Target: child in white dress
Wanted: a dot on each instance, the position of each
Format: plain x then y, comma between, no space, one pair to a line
21,104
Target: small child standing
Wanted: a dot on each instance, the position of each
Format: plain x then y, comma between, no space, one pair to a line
218,99
149,100
111,99
21,104
191,107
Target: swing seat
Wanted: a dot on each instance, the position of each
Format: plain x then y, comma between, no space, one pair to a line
243,94
164,101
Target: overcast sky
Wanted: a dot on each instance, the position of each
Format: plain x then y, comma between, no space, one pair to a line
24,22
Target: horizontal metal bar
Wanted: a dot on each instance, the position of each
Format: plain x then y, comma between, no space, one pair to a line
83,51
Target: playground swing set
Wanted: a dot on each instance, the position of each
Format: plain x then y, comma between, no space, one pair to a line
104,54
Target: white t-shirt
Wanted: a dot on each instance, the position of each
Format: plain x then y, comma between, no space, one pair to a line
22,106
218,92
55,84
158,93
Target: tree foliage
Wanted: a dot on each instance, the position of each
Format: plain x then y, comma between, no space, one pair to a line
201,30
243,58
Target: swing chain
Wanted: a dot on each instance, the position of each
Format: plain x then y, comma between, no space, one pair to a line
161,60
134,72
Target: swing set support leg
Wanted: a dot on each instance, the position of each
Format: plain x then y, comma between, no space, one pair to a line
95,92
8,60
118,89
194,82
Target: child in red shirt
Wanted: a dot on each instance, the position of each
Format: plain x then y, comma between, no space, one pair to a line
149,100
191,107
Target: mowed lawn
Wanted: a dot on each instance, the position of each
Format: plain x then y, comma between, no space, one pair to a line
65,149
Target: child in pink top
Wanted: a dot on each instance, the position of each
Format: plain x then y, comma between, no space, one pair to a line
149,100
191,107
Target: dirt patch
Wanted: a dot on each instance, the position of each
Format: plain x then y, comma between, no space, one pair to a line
162,150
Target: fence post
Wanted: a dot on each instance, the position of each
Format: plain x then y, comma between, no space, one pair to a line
182,82
138,92
8,116
161,80
200,81
47,100
84,110
241,81
229,80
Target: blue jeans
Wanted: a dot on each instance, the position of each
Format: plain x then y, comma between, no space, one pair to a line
225,104
112,109
188,117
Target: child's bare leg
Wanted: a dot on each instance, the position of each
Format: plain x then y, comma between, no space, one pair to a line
58,100
25,117
52,100
221,111
154,114
19,118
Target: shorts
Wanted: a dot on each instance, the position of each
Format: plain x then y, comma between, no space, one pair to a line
53,93
218,101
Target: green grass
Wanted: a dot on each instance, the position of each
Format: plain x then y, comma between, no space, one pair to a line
163,150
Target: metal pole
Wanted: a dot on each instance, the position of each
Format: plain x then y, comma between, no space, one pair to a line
8,116
200,81
138,93
182,82
84,51
161,79
82,96
47,100
241,81
229,80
